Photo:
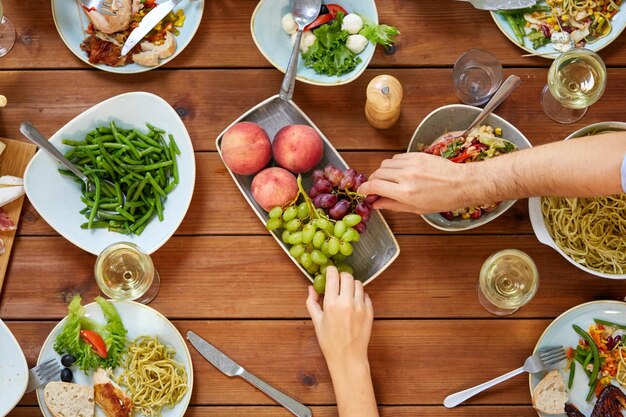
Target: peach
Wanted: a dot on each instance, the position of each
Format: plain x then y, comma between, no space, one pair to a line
298,148
246,148
274,187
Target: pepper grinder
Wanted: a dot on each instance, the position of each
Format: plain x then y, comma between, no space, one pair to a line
384,96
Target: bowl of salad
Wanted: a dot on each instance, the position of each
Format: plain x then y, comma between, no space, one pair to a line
335,48
491,139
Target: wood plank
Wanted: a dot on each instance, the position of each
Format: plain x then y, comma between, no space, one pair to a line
251,277
406,359
209,100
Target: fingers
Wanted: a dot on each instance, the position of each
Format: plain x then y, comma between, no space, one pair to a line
389,204
380,187
368,304
347,286
358,293
332,283
313,306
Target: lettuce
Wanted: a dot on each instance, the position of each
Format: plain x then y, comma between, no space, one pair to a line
384,35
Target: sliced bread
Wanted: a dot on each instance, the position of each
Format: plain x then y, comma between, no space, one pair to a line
65,399
550,395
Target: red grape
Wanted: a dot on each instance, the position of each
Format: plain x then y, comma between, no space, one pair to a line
358,180
371,198
447,215
323,185
333,174
318,173
350,172
363,210
326,201
339,210
347,182
361,227
313,192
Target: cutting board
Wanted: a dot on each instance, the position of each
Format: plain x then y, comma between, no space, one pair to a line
13,161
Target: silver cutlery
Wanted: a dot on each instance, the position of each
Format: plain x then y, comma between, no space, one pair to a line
230,368
501,4
148,22
42,374
542,360
101,6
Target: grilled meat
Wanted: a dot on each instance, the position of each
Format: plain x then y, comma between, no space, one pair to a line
572,411
110,24
110,397
611,402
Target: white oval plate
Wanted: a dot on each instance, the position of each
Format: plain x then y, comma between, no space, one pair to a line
57,197
71,23
560,332
139,320
13,370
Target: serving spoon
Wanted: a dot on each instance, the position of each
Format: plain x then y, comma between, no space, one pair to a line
304,12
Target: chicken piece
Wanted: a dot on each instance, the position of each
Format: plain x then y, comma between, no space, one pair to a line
149,57
110,397
137,5
572,411
611,402
110,24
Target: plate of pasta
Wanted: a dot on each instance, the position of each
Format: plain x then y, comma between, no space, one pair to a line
588,232
154,371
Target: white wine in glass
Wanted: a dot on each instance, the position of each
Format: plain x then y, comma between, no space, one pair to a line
576,80
124,272
508,280
7,33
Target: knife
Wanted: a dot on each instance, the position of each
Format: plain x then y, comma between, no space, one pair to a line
501,4
231,368
148,22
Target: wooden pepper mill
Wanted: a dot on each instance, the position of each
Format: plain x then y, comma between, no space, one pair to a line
384,95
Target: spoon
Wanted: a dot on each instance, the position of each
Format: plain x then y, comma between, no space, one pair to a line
304,12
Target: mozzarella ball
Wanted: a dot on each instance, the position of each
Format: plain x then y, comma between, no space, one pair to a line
289,25
352,23
356,43
308,39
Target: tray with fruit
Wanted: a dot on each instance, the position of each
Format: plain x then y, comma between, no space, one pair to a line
305,193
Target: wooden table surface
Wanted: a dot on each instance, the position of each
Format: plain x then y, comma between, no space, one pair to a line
225,278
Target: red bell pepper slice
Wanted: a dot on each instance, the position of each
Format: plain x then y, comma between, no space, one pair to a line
333,9
321,19
95,341
464,156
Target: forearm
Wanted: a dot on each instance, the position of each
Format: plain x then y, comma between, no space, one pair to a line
353,389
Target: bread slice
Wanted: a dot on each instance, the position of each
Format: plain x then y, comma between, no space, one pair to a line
550,395
65,399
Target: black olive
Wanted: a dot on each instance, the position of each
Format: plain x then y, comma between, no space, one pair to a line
66,375
68,360
324,9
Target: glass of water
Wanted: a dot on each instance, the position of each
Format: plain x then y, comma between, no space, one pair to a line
477,75
7,33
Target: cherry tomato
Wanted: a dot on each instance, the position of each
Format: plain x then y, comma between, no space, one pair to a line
95,341
333,9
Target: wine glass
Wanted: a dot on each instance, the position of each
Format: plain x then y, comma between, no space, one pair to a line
124,272
576,80
7,33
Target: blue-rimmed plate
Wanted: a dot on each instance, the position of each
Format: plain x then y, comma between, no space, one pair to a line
560,332
275,44
71,23
547,51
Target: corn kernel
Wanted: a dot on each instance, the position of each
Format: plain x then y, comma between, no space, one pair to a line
465,215
498,131
565,17
556,28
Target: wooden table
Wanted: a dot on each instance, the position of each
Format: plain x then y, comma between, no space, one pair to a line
224,277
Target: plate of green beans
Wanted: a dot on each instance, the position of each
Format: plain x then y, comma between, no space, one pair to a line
139,159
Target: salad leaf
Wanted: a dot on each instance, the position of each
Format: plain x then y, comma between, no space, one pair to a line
379,34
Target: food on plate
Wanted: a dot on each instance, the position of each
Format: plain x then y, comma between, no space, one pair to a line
153,377
572,411
107,34
482,143
274,187
133,173
110,397
564,23
92,344
611,402
246,148
66,375
64,399
297,148
331,43
550,395
11,188
589,230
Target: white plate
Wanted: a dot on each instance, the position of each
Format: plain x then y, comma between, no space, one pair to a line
71,23
139,320
560,332
13,370
57,197
618,22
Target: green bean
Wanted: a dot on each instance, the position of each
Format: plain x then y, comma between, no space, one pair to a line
158,206
174,144
610,324
95,225
143,219
146,167
174,164
155,129
72,142
596,359
96,201
572,371
146,139
125,141
587,359
126,214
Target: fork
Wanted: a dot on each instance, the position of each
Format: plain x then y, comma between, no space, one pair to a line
542,360
102,6
42,374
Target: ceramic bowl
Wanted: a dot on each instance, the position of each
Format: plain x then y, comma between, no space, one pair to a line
13,370
455,117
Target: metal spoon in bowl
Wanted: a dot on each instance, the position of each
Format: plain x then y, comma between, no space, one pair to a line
304,12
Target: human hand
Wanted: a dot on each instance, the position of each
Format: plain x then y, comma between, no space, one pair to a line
344,325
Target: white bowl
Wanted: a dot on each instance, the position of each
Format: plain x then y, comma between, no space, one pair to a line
536,215
57,197
13,370
454,117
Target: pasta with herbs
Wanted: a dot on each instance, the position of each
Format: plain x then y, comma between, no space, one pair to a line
152,377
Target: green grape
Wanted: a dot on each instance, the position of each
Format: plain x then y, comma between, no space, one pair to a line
318,257
333,246
323,268
273,224
322,223
295,238
296,251
293,225
345,268
276,213
352,220
345,248
285,236
314,269
319,284
330,229
308,232
318,239
303,210
324,248
351,235
339,257
321,212
305,260
340,229
290,213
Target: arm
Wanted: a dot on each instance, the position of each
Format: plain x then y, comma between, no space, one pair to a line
423,183
343,330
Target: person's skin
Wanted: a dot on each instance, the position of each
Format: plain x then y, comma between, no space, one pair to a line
343,327
423,183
